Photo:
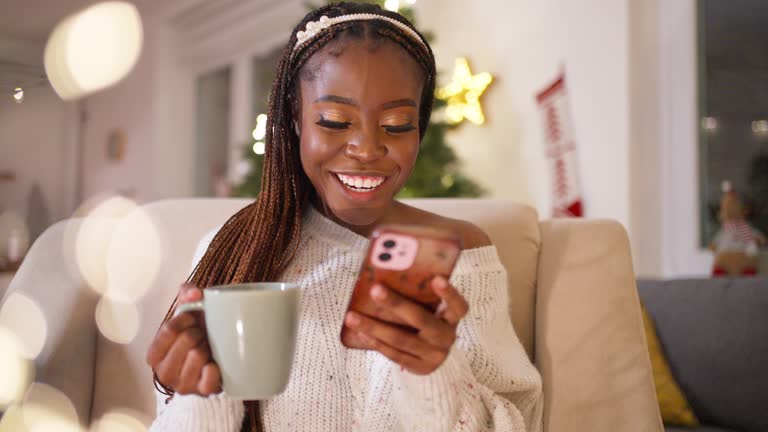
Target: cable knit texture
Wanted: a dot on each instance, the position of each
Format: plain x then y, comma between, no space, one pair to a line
486,382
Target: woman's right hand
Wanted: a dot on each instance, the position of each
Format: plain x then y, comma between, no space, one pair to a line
180,354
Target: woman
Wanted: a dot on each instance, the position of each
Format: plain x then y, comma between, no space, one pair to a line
348,108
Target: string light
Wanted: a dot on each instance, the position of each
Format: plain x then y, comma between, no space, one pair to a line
259,133
463,94
18,95
393,5
261,127
760,128
709,124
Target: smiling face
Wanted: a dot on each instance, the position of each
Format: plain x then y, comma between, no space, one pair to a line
359,126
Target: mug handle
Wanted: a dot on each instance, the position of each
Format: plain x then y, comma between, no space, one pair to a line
188,307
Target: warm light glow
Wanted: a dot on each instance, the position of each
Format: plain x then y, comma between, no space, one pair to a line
709,124
259,147
93,238
15,371
760,128
463,94
393,5
46,409
25,319
119,421
134,257
18,94
261,127
93,49
117,321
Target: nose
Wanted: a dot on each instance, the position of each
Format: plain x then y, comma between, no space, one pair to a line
366,146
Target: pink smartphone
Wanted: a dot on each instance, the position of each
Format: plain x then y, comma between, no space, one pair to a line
404,258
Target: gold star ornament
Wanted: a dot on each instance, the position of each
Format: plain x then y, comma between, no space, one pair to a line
463,94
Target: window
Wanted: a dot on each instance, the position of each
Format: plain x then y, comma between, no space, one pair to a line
733,107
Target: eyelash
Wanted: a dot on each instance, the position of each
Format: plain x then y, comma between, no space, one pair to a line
399,129
343,125
332,124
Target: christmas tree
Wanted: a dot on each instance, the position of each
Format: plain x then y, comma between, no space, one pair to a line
437,173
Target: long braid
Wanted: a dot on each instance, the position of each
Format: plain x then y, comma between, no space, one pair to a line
259,242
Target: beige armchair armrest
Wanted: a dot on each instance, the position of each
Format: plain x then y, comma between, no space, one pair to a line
590,345
46,277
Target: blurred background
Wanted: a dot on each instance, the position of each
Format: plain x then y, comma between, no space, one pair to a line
653,113
665,101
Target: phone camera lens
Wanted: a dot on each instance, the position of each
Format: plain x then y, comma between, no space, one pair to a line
389,244
385,257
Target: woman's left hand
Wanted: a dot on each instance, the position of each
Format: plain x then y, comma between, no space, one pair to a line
425,350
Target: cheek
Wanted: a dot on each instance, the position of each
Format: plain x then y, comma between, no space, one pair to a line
405,153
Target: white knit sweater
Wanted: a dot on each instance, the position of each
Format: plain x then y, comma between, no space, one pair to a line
486,383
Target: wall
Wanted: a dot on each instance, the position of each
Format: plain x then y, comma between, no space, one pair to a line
127,106
524,44
37,144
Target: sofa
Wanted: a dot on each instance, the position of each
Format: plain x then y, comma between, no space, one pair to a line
574,305
714,333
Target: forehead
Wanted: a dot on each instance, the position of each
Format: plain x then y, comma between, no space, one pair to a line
367,71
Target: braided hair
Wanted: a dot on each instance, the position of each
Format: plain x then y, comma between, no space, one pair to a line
259,242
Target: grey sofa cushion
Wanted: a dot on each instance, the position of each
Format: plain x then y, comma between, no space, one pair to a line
698,429
715,335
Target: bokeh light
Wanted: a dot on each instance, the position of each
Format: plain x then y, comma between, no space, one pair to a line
120,421
133,258
18,94
260,131
117,321
12,421
15,370
87,240
94,48
46,409
22,316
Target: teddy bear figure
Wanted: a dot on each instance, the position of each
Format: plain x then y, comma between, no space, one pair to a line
736,244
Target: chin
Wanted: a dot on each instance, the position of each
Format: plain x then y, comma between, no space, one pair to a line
358,216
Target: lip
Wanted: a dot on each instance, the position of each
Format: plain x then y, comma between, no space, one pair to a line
362,173
360,196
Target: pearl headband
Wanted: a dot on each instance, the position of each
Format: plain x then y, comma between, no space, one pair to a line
315,27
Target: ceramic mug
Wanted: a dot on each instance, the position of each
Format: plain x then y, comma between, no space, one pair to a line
252,334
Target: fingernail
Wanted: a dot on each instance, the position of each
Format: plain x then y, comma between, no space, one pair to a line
352,319
378,292
440,283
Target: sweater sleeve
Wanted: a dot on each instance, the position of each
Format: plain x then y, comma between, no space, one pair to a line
487,381
192,413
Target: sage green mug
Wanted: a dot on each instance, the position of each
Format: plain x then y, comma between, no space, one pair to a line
252,334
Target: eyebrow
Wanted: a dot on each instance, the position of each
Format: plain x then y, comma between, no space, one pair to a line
336,99
399,103
348,101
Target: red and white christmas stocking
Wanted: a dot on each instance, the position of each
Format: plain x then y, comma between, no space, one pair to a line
560,149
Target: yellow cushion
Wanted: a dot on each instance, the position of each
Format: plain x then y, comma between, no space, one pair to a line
675,409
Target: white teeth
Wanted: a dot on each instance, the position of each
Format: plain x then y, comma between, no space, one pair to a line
361,184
